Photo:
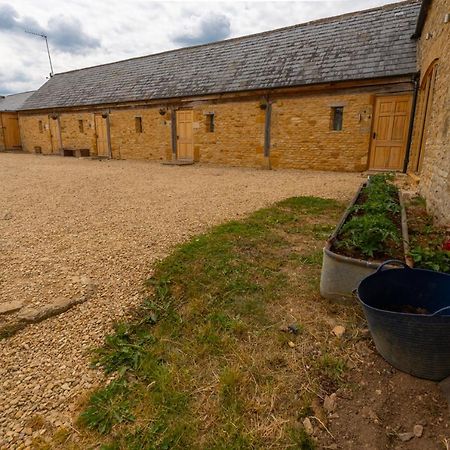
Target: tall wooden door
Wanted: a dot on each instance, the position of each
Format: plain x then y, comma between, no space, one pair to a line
11,130
101,131
55,135
390,132
185,142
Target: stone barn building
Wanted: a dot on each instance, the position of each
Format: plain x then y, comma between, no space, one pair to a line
9,120
429,162
361,91
332,94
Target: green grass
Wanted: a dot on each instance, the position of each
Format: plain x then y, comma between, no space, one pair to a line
200,362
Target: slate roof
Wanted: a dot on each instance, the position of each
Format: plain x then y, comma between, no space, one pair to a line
14,102
365,44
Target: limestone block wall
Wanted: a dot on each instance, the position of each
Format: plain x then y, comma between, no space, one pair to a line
77,136
238,136
435,174
34,136
302,137
301,131
154,142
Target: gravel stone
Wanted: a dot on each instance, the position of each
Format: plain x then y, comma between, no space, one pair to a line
78,222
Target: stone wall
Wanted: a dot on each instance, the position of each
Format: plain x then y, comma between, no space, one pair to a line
75,138
32,136
154,142
434,44
301,132
302,137
238,136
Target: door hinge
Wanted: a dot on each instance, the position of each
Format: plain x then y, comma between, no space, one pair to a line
374,135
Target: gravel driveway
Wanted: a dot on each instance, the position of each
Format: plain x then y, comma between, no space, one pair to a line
65,222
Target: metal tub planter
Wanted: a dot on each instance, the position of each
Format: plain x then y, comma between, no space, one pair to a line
408,311
340,274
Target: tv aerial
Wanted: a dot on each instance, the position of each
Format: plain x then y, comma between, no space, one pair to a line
42,35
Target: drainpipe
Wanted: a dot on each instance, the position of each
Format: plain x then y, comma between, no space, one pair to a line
174,133
411,123
267,124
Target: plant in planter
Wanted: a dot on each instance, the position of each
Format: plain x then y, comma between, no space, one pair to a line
372,230
430,246
373,225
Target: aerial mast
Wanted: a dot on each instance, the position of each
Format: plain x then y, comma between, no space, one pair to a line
42,35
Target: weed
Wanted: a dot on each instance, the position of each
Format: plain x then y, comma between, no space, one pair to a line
230,384
301,439
332,367
124,349
313,259
431,258
107,407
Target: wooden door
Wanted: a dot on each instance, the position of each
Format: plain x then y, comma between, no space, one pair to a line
55,136
101,130
11,132
185,142
390,132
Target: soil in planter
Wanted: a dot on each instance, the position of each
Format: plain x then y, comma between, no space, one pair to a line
426,239
392,249
406,309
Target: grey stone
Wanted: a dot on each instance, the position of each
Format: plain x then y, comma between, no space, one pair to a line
308,426
405,437
10,307
329,403
418,430
34,315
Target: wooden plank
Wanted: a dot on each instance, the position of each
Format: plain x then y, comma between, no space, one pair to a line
54,135
185,141
390,130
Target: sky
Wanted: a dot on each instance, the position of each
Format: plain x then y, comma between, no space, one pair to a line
83,33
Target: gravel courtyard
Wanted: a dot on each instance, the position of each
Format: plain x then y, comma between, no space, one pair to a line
66,223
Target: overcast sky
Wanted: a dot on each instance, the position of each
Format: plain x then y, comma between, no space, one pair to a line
83,33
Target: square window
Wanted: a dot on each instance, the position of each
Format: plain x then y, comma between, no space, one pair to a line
138,124
337,116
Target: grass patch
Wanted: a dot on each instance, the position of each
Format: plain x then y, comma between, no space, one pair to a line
204,364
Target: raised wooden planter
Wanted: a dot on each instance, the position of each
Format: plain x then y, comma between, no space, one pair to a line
341,274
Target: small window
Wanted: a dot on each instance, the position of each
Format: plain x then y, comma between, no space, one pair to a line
41,127
81,126
138,124
210,122
337,115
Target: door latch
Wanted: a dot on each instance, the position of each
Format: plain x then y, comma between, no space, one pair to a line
374,135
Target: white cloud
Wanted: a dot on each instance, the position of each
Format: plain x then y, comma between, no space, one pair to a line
84,33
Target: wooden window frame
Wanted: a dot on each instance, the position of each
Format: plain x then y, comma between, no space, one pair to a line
138,124
337,118
210,122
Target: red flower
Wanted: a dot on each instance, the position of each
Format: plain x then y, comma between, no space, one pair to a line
446,245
